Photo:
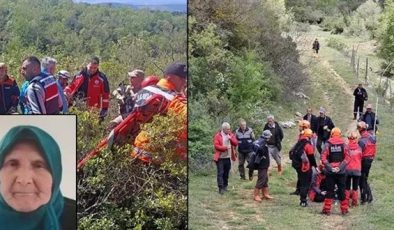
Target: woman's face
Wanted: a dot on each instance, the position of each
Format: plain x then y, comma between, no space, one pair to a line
25,180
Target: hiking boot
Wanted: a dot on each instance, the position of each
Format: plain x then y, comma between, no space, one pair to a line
225,189
303,204
221,191
256,195
344,212
280,170
266,194
325,212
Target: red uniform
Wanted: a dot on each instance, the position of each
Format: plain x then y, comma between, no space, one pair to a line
94,88
316,187
367,143
353,171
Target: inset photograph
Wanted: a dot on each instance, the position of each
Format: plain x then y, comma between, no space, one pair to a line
38,172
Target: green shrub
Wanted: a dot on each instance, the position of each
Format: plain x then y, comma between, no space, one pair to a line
336,43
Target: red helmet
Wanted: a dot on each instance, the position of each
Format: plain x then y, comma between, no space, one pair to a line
150,80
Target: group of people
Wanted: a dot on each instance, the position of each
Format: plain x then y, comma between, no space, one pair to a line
343,166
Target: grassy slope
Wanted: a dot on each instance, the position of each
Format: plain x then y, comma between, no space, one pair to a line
331,79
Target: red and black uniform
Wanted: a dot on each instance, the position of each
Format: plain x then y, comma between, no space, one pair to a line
353,171
334,156
302,159
318,185
367,143
94,88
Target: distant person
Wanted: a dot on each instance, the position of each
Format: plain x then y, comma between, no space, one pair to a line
42,95
260,160
274,143
323,129
370,119
91,85
316,46
9,92
63,77
360,95
245,137
224,146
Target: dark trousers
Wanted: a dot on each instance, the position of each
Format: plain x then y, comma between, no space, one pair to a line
242,157
358,107
262,178
352,181
304,179
340,181
319,143
223,170
364,186
319,198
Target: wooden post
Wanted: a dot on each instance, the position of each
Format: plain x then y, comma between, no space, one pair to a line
358,66
366,70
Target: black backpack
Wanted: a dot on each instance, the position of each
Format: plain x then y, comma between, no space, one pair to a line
296,152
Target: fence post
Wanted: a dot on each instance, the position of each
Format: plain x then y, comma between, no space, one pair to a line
366,70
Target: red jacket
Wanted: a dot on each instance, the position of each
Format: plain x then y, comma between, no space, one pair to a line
315,185
367,143
94,88
354,166
219,147
335,155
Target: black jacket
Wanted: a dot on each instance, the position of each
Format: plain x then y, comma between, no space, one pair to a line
260,158
278,134
68,220
369,118
313,122
360,94
321,122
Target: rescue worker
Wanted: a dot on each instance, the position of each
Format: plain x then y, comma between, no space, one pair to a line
160,99
369,118
245,137
367,143
353,168
335,158
260,160
316,46
302,125
360,95
274,143
91,85
225,143
303,159
42,95
318,189
323,129
9,92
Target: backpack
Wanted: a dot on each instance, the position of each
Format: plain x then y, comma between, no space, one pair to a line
296,152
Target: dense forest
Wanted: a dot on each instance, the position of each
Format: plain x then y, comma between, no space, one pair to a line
114,191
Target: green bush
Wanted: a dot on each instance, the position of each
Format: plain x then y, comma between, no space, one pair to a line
336,43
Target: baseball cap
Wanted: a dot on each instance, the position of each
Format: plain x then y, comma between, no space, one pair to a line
136,73
63,74
177,68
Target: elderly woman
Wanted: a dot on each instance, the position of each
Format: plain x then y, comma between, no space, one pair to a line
30,175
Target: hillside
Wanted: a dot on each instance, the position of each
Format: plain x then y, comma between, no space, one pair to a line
332,83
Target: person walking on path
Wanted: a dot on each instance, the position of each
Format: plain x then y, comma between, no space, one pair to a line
245,137
367,143
369,118
303,159
360,95
260,160
224,145
335,158
324,127
316,46
274,143
353,169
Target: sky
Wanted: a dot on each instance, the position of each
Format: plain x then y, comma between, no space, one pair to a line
138,2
